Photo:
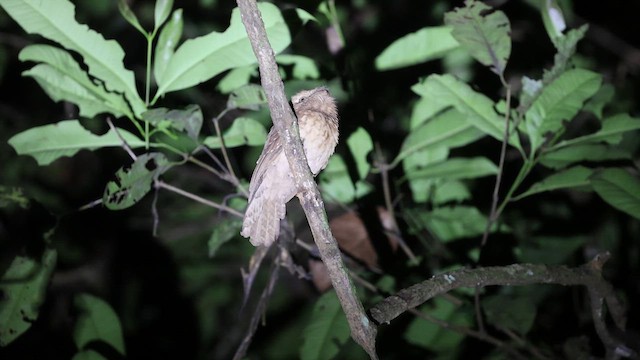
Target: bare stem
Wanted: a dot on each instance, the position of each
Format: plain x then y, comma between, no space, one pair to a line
164,185
493,216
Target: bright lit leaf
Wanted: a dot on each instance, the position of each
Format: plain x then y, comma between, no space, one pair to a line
55,20
198,60
478,108
612,130
574,177
166,44
449,129
62,79
423,45
161,12
49,142
303,67
569,155
360,144
243,131
559,101
248,97
455,169
619,189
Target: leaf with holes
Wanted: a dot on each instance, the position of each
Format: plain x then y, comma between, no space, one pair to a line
189,119
23,287
483,33
134,183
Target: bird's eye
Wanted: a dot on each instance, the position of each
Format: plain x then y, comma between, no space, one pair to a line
302,99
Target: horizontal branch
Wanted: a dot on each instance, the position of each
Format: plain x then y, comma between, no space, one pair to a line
588,275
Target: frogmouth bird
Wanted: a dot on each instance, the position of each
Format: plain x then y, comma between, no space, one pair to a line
272,184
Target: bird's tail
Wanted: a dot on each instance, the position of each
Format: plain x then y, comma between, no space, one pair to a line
262,220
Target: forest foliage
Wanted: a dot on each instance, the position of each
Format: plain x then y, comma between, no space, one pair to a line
487,162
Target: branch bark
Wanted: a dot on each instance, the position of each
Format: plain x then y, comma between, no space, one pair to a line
588,275
363,331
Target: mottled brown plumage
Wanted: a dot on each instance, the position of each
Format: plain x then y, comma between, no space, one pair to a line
272,185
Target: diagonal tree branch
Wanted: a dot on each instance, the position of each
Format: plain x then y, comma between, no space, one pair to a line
363,331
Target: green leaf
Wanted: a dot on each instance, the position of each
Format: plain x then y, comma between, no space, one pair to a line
49,142
23,285
198,60
566,46
601,99
455,169
327,331
305,16
134,183
619,189
510,312
570,178
483,33
88,355
434,337
478,109
454,222
424,110
130,16
448,191
248,97
560,100
448,129
335,181
423,45
166,45
236,78
360,144
243,131
569,155
97,322
55,20
62,79
189,119
223,232
161,12
553,19
303,67
612,130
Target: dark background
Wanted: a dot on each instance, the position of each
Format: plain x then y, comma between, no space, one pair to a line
176,302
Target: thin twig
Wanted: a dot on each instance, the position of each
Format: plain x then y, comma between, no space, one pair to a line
503,151
162,184
386,189
257,314
125,145
223,148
